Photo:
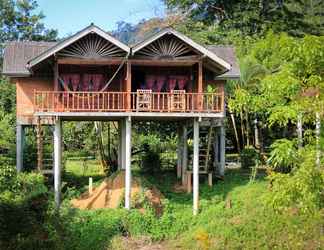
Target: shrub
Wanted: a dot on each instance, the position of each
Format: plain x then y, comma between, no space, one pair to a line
301,189
249,155
283,155
23,209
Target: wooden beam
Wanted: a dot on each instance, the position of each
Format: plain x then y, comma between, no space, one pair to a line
128,84
163,62
84,61
56,74
200,85
200,77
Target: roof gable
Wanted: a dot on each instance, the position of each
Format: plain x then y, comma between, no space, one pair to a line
92,29
186,40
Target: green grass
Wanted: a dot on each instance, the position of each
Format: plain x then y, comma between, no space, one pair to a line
233,215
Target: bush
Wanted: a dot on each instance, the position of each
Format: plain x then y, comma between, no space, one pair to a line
23,209
283,155
302,189
249,155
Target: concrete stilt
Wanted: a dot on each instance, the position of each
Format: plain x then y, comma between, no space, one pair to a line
184,161
216,149
57,161
195,164
222,151
127,140
20,135
179,153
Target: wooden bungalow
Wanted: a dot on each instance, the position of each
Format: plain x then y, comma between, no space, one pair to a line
93,76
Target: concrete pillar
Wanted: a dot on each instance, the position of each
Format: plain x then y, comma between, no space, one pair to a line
20,136
184,161
195,163
179,153
216,149
222,151
57,161
127,140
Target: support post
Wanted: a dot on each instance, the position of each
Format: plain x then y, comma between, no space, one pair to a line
56,74
184,154
20,136
179,153
222,151
128,184
57,161
216,149
195,164
200,85
128,84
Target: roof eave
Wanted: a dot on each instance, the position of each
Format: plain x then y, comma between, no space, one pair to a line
15,74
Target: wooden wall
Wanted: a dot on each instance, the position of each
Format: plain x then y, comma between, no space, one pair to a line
25,93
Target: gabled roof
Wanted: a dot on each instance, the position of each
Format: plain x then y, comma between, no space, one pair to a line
17,54
227,53
185,39
63,44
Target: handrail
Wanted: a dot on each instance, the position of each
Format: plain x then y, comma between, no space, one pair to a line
61,101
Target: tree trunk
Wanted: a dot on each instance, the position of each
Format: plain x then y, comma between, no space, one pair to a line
256,134
101,151
242,128
247,129
235,132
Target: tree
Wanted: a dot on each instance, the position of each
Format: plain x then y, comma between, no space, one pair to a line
297,18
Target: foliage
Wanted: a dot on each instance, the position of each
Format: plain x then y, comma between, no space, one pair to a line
18,21
283,155
302,189
248,223
255,17
249,156
23,206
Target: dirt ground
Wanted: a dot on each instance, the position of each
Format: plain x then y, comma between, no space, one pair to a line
110,194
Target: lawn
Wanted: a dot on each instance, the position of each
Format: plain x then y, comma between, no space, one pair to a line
233,215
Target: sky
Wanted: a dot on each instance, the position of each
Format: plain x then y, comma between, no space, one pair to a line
70,16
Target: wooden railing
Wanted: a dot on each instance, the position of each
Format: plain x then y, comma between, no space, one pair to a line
60,101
